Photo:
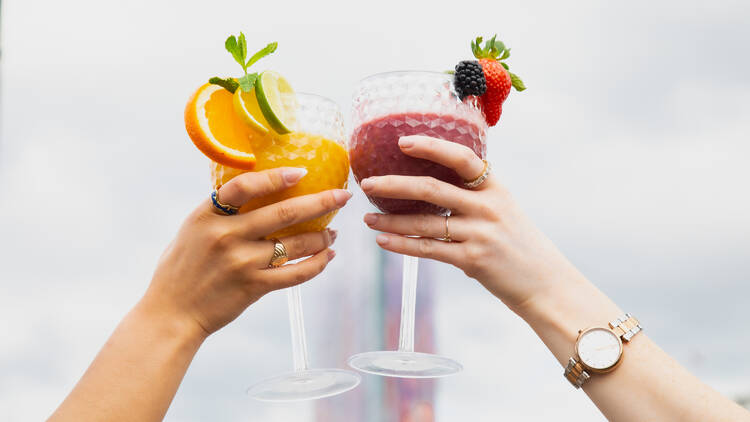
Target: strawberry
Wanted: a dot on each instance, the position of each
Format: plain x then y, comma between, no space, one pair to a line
491,110
499,78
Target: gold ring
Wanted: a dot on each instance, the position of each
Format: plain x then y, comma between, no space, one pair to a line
279,257
471,184
225,208
447,236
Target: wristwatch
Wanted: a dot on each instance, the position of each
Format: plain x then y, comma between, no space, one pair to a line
599,349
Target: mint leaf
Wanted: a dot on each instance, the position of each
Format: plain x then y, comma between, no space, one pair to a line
263,52
516,82
504,65
229,84
247,82
242,46
231,45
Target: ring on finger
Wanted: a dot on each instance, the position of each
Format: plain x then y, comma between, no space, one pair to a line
224,208
447,237
280,256
471,184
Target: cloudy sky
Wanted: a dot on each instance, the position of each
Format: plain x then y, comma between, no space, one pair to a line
629,149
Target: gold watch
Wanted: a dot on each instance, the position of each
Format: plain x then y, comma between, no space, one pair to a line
599,349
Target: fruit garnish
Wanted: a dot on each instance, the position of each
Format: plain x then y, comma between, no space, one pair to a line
246,106
498,78
224,118
276,100
217,130
237,47
469,79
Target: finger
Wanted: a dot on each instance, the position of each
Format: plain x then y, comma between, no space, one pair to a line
301,245
460,158
271,218
423,225
421,188
246,186
294,274
422,247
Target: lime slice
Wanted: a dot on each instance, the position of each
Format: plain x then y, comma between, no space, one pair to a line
246,106
277,101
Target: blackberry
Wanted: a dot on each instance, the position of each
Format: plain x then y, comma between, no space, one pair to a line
469,79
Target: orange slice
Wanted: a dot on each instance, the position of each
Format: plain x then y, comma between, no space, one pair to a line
217,130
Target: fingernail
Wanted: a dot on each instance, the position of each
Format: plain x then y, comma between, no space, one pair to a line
332,234
367,184
371,219
293,174
341,196
405,142
331,254
382,239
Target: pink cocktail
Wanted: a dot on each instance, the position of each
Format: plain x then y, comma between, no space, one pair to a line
386,107
374,151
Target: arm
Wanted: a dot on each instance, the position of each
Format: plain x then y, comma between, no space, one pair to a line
495,243
212,271
137,372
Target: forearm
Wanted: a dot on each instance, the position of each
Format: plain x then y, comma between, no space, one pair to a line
137,372
648,384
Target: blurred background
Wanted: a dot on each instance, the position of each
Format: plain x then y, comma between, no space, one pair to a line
629,149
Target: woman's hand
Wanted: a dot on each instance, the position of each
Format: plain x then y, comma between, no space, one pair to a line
492,240
218,264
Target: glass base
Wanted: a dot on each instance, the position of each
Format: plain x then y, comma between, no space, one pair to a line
308,384
405,364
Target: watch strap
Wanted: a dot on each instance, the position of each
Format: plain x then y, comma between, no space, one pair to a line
575,373
625,327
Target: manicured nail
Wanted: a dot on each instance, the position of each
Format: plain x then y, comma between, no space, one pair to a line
371,219
293,174
332,234
341,196
382,239
367,184
405,142
331,254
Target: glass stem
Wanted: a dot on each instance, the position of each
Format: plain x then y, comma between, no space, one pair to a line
408,303
297,323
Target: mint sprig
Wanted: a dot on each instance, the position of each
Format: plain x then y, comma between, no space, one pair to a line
237,47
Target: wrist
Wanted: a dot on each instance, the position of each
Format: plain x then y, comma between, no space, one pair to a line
558,313
170,323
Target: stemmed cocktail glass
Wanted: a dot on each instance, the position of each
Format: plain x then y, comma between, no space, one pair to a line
316,143
387,106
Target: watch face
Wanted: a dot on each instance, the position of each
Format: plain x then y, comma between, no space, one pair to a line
599,348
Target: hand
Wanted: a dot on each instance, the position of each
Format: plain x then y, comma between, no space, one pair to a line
218,264
492,240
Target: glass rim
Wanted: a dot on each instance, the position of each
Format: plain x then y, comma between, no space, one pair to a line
405,72
317,96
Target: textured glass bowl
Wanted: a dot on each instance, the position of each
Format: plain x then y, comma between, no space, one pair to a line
390,105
